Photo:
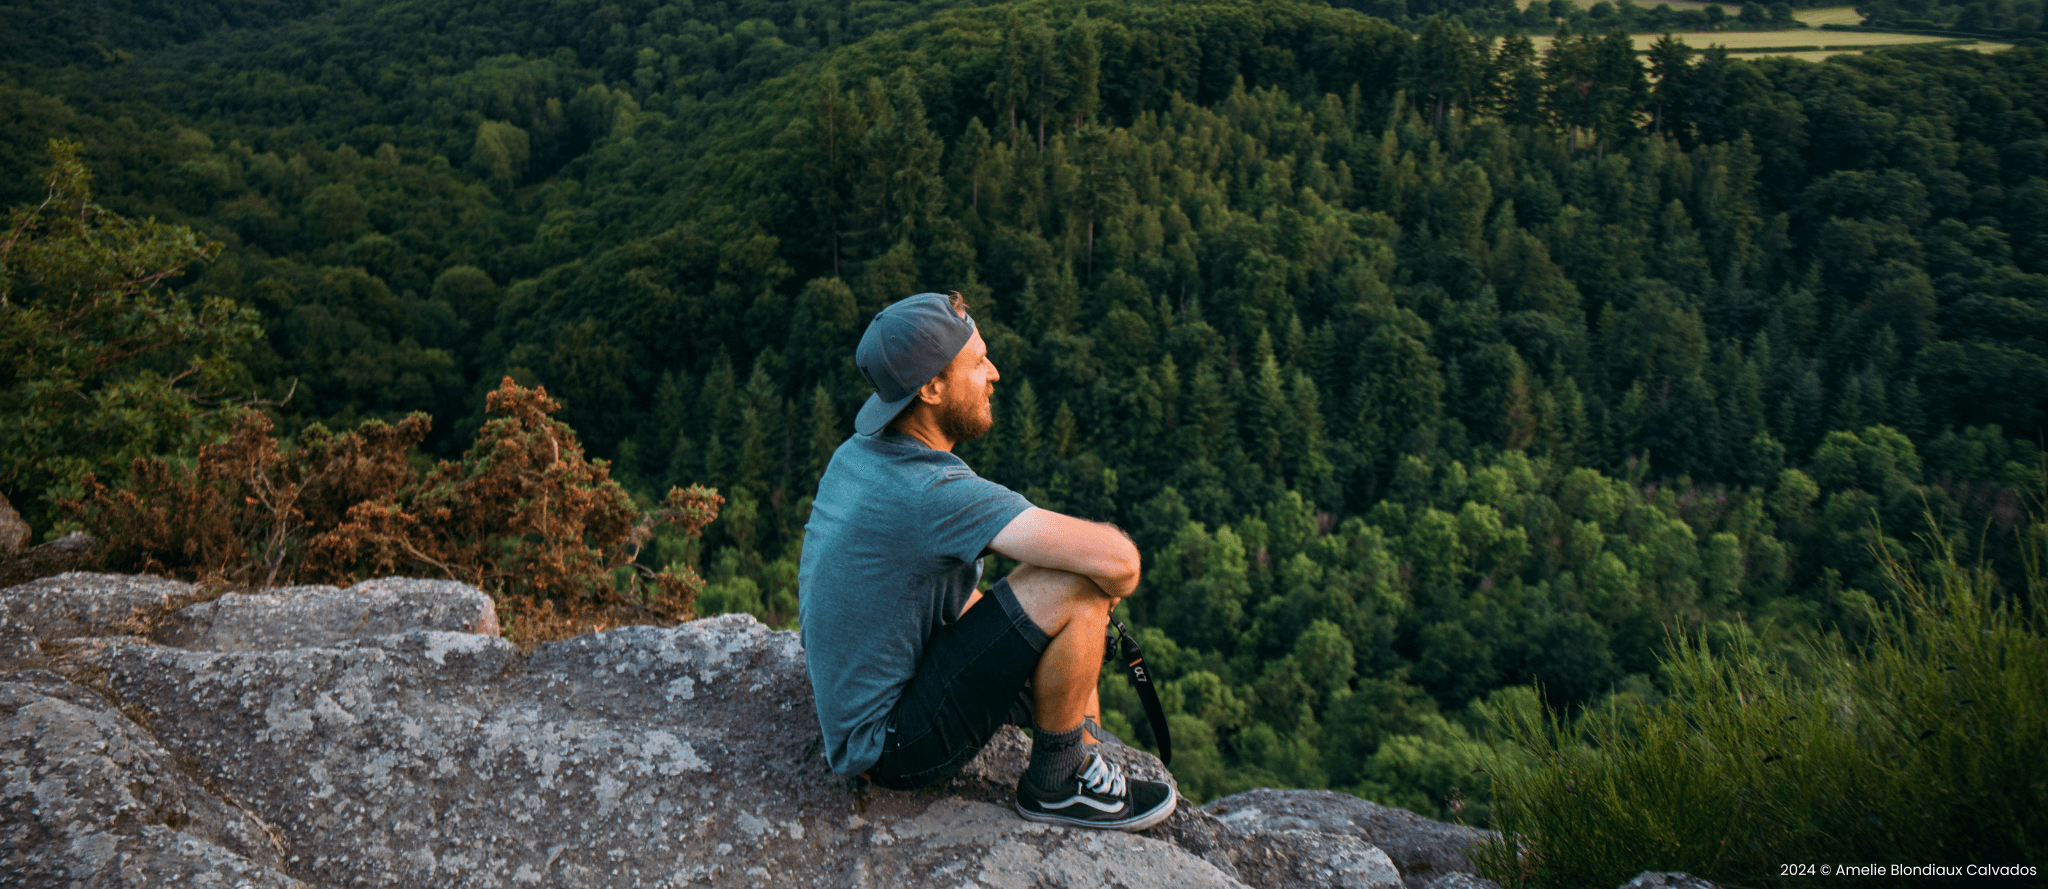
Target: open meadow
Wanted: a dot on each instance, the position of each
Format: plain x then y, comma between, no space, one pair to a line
1829,15
1674,4
1812,45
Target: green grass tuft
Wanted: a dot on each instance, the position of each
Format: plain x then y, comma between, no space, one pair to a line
1924,746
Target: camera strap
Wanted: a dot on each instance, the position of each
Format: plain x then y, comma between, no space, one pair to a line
1134,660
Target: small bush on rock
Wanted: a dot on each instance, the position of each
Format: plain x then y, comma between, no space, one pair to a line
522,515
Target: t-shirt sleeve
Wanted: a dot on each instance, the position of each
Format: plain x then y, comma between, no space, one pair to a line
965,511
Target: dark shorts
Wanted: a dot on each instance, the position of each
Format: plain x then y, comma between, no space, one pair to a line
971,682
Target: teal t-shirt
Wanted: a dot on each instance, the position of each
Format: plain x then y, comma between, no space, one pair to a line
892,550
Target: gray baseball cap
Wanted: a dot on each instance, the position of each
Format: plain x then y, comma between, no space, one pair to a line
906,345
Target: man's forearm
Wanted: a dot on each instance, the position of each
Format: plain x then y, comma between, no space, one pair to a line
1118,587
1101,552
1122,583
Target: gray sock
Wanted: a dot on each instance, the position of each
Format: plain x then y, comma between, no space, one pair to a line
1056,757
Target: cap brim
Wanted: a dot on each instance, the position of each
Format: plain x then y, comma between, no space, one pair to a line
877,413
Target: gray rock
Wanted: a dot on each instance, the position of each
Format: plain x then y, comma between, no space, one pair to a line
86,604
1312,858
639,756
72,552
90,799
1423,849
1667,880
1462,881
18,648
355,737
312,616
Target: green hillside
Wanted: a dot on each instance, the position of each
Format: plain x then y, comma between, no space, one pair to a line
1421,366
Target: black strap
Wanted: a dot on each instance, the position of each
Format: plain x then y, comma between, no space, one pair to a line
1134,660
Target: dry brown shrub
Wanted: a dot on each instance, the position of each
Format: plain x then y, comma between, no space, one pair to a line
530,621
241,512
167,520
522,515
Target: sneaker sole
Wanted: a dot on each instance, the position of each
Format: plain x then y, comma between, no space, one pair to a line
1139,822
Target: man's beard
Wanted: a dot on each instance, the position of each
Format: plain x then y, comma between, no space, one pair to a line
967,419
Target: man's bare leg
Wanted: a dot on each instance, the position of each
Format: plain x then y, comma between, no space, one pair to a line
1093,709
1074,612
1065,782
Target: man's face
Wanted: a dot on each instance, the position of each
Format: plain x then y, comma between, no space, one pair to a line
967,412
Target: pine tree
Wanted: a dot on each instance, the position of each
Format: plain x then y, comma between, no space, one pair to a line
1266,410
1012,86
1671,66
1084,60
718,409
1445,68
1026,443
1519,86
1064,433
900,187
826,436
830,168
1309,467
665,427
762,436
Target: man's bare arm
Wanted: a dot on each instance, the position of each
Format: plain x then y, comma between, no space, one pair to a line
1049,540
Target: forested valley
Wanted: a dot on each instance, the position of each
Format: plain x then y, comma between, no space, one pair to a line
1431,373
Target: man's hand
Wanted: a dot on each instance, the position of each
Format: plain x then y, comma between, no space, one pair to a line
1049,540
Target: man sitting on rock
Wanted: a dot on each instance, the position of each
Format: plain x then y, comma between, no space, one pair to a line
913,669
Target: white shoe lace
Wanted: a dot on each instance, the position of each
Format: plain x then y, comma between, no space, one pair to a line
1102,776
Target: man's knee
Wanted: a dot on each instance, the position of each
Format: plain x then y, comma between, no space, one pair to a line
1054,598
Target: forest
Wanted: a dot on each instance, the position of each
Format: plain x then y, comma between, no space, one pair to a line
1432,374
2003,18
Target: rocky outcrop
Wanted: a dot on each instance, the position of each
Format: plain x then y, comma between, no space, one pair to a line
1422,849
315,616
1462,881
366,737
1662,880
92,800
70,552
372,736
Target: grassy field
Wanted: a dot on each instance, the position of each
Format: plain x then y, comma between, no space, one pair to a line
1732,6
1830,15
1812,45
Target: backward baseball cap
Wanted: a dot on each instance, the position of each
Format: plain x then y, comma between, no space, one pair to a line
906,345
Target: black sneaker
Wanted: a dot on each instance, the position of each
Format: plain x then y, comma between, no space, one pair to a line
1098,797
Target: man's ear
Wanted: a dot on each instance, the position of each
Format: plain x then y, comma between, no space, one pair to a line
933,392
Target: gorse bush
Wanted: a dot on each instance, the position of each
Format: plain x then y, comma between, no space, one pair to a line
522,514
1921,747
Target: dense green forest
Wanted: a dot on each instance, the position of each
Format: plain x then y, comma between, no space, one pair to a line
1422,366
1500,17
2016,18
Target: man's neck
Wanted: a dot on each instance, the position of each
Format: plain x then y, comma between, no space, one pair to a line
918,423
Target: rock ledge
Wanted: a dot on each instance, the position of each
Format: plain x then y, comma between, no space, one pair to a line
383,735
